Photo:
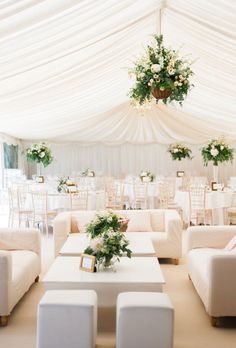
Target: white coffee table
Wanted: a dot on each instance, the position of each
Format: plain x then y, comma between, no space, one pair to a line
135,274
77,243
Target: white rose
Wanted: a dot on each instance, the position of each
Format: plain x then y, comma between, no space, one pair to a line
222,147
96,244
42,154
175,150
155,67
176,83
214,152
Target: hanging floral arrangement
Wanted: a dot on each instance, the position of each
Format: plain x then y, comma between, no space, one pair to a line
179,152
161,74
217,151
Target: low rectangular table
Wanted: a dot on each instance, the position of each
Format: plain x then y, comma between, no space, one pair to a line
77,243
135,274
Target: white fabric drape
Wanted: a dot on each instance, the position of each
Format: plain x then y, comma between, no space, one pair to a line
70,159
63,76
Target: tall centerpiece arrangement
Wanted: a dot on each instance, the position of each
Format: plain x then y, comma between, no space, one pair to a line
217,151
179,152
107,242
41,154
160,73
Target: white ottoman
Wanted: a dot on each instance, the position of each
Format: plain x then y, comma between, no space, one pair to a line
67,318
144,319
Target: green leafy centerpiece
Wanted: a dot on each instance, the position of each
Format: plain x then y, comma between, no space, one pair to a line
107,242
179,152
42,155
39,153
161,74
146,176
217,151
66,185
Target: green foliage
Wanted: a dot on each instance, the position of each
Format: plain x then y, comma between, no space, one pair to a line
39,153
179,151
106,240
163,69
148,175
217,151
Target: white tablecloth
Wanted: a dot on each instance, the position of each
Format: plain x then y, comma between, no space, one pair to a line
215,200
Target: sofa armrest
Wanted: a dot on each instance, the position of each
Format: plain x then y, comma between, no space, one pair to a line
209,236
173,224
20,239
5,278
222,285
61,230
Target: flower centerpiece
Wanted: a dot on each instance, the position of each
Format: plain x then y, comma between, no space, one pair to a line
179,151
107,242
146,176
39,153
160,73
88,172
217,151
42,155
65,184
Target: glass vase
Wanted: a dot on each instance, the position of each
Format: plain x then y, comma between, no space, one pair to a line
215,173
107,266
39,169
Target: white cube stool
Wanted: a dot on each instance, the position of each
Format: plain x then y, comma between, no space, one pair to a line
67,318
144,319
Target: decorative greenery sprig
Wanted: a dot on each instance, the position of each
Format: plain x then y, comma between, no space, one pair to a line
39,153
106,239
217,151
179,151
163,69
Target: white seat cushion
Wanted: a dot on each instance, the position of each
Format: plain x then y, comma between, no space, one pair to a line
139,221
25,268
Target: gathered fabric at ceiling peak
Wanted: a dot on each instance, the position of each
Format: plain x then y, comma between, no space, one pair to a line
63,71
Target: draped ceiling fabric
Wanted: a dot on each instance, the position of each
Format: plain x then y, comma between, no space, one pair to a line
63,75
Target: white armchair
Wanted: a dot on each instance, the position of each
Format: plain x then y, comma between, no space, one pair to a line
20,266
212,269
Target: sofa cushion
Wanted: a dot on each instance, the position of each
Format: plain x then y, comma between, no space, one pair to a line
231,245
80,219
25,268
139,221
158,220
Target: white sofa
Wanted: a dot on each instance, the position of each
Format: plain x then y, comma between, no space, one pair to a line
213,269
20,266
163,226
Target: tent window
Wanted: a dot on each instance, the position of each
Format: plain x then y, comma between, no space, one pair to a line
10,156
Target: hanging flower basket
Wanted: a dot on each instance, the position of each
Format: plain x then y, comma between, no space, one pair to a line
160,73
159,94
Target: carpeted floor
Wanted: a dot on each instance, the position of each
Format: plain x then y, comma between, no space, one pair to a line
192,324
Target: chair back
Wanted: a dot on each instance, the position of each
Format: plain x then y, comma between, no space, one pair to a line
79,200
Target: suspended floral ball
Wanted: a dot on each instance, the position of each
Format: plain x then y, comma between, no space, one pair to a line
161,74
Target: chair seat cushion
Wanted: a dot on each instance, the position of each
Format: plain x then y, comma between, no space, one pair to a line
198,264
25,268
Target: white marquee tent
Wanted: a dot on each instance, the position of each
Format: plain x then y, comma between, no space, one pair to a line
63,79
